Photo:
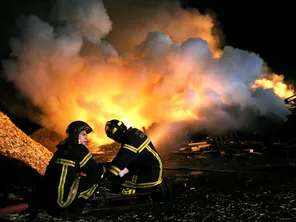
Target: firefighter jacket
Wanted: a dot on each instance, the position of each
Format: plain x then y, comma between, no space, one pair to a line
62,178
138,154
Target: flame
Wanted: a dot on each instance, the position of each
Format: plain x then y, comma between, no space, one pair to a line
276,83
136,74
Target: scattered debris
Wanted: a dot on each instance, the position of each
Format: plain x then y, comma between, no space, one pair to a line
232,145
262,199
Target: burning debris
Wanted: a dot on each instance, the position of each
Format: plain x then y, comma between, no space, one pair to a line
279,141
228,144
17,145
196,147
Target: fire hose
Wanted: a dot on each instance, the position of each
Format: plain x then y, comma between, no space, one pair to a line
14,208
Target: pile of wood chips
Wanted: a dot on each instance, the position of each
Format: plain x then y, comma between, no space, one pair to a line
15,144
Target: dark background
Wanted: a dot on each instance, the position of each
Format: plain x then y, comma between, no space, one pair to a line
264,28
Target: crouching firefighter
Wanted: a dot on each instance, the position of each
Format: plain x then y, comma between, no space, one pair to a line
72,175
137,167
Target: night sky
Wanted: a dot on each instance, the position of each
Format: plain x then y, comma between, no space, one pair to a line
264,28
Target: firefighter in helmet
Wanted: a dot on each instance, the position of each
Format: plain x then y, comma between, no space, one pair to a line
137,167
72,175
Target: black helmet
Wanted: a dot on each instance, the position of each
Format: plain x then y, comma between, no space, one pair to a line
115,129
73,131
76,127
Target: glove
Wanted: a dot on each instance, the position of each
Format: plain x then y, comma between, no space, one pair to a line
123,172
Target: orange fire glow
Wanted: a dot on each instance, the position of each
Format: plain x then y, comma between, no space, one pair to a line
156,66
276,83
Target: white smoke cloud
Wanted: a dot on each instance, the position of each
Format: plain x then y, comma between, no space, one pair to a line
88,16
70,69
132,19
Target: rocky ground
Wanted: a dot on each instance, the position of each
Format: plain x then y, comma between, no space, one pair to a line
221,191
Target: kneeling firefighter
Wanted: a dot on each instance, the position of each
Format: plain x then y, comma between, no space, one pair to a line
72,175
137,167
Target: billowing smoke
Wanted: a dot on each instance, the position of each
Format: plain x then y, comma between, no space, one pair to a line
162,65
